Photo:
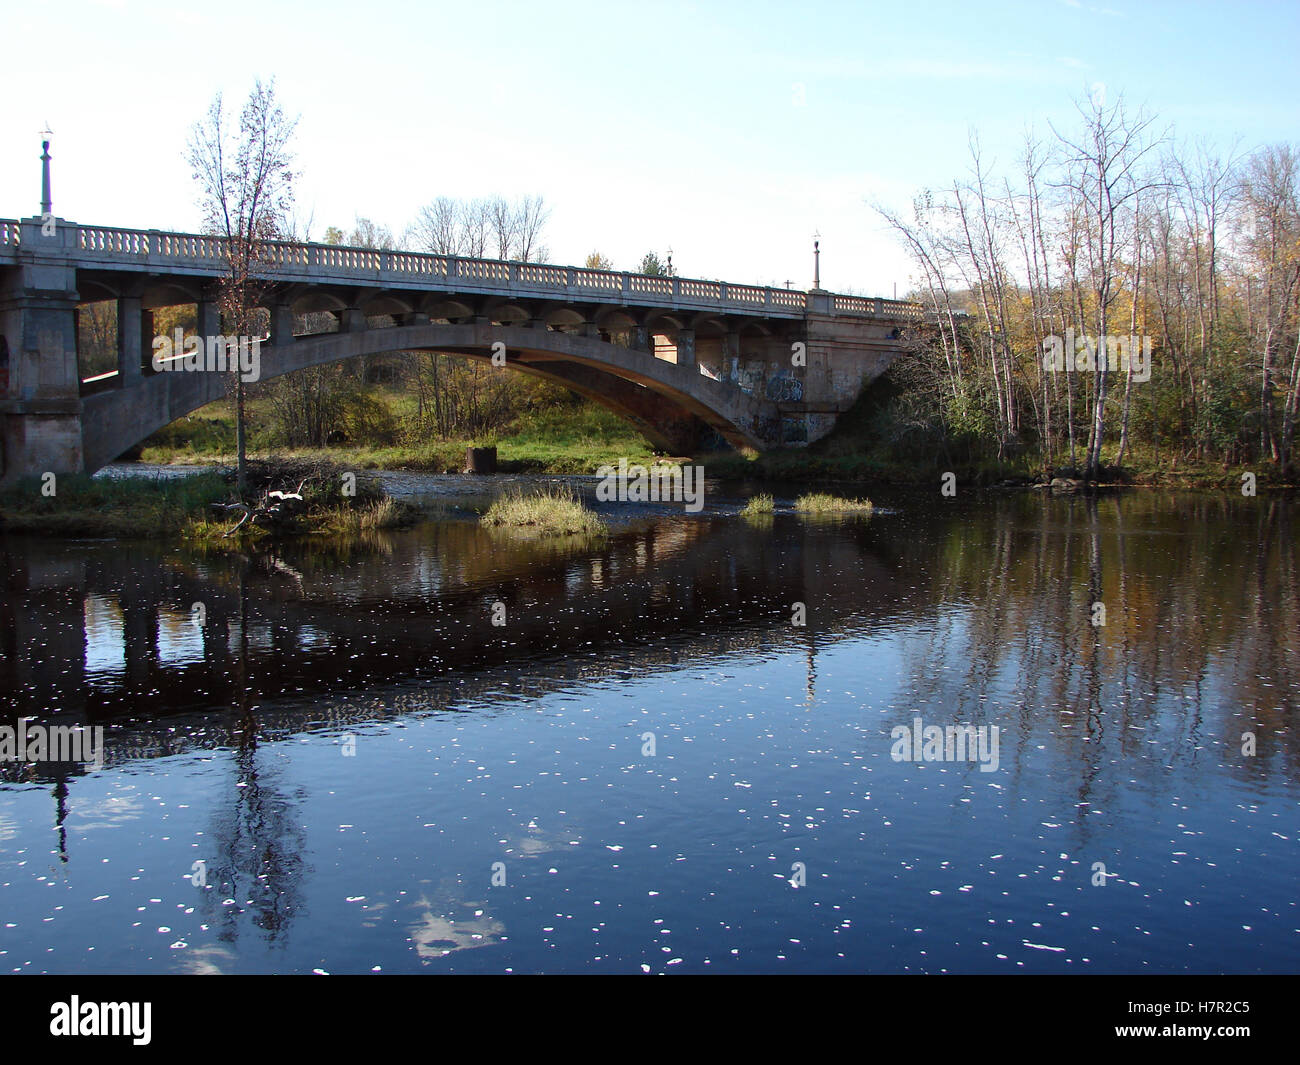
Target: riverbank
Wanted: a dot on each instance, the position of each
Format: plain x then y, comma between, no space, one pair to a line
293,497
547,441
816,466
580,440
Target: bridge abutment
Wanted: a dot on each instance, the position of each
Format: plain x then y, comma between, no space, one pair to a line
40,384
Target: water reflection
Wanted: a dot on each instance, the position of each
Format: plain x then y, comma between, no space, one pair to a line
208,668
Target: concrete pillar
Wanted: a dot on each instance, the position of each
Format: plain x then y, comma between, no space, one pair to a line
147,333
731,356
415,318
40,413
818,301
686,347
640,338
134,348
281,324
352,320
209,318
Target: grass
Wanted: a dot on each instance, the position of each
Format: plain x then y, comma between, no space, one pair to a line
182,506
108,507
821,503
383,514
550,512
758,506
552,440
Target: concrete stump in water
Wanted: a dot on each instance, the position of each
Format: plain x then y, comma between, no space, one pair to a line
480,460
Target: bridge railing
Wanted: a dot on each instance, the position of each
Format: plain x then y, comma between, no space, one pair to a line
878,307
158,248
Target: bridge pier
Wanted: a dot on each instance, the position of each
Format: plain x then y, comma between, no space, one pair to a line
208,318
40,384
686,347
133,339
282,325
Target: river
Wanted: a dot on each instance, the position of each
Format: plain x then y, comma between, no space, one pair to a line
687,748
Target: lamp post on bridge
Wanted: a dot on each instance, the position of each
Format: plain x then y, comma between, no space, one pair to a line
818,299
46,204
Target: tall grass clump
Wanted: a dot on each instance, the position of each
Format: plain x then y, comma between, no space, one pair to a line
822,503
759,506
550,512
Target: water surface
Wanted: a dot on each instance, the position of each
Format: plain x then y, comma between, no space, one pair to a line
337,759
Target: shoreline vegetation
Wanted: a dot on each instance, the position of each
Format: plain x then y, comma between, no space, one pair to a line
561,439
284,498
577,438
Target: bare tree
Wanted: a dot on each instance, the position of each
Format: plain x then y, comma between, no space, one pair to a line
245,180
1271,196
1103,179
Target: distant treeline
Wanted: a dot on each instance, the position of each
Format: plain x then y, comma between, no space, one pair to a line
1108,231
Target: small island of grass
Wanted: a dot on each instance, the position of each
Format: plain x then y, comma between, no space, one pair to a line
822,503
550,512
759,506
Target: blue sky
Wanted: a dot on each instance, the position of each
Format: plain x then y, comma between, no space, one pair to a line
728,132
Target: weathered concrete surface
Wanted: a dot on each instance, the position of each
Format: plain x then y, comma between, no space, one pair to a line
40,387
690,363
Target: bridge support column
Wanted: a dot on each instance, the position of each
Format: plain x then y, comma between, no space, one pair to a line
134,345
281,324
40,402
640,338
686,347
352,320
730,356
209,318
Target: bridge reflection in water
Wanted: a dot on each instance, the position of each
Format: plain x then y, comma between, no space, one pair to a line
955,613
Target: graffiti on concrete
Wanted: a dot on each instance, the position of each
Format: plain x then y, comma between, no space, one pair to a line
782,387
749,377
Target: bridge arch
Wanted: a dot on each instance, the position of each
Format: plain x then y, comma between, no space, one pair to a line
676,407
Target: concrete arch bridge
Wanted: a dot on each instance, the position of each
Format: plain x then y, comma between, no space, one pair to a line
689,362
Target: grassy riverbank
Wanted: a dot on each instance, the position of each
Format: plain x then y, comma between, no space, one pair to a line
579,438
124,508
187,507
546,441
857,451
